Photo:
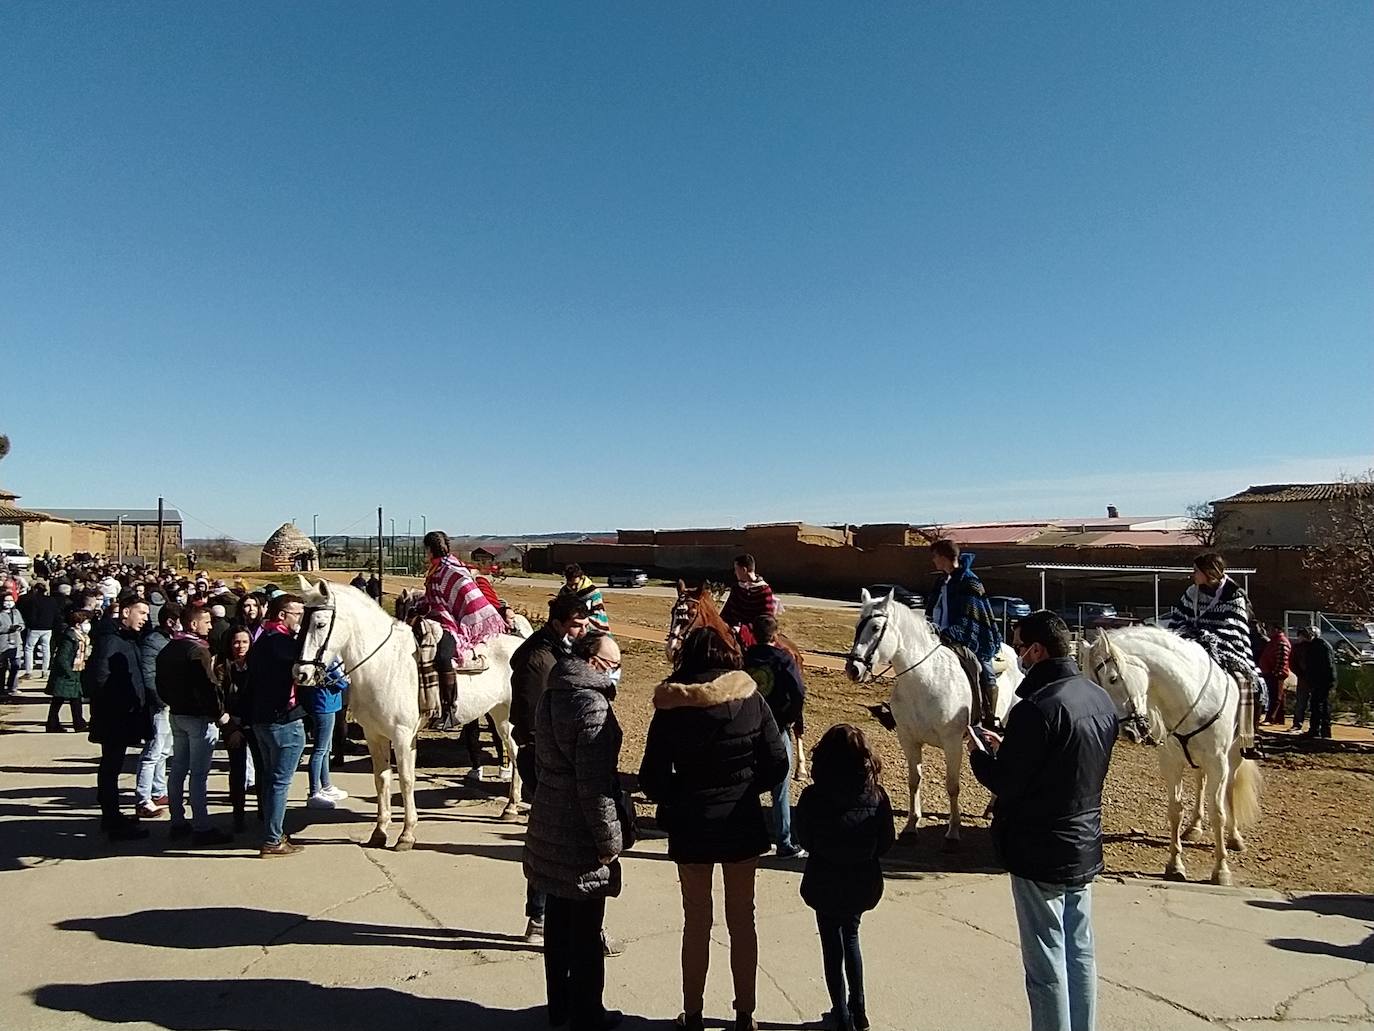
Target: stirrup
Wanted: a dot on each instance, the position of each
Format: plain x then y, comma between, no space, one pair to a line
477,664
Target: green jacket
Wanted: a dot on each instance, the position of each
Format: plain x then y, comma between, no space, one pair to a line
64,682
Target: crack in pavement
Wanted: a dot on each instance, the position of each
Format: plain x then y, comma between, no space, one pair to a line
434,921
1282,1009
277,938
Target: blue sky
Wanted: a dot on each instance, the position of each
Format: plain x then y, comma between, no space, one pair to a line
526,266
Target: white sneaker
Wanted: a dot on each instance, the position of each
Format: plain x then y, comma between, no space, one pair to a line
336,793
319,801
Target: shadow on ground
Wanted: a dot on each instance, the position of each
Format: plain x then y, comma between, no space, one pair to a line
283,1005
231,926
1353,907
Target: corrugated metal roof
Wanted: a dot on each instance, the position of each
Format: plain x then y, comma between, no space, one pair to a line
9,513
113,515
972,536
1145,539
1298,492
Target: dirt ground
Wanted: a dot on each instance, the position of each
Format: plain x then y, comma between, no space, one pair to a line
1317,832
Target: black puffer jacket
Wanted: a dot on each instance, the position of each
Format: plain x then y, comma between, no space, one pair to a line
845,834
1048,773
120,695
713,749
573,820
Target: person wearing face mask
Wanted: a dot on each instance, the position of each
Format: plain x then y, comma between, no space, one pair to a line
245,759
1046,774
70,655
11,640
531,665
579,824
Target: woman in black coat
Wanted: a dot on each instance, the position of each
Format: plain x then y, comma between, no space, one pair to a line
575,835
713,749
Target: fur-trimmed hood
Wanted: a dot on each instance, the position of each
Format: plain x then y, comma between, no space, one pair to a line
730,686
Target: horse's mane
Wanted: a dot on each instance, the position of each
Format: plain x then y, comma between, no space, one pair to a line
906,617
1157,636
707,616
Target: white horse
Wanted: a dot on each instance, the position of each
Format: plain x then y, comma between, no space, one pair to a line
380,658
931,699
1170,691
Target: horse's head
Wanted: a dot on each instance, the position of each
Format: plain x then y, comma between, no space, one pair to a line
873,644
319,635
693,608
1126,683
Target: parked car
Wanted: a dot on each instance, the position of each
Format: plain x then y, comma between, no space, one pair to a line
628,578
910,599
1007,608
1091,613
16,558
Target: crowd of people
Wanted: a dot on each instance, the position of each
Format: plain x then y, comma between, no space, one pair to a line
173,664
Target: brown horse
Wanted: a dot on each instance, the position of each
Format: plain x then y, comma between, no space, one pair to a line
696,607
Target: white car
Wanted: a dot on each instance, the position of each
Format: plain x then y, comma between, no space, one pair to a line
16,558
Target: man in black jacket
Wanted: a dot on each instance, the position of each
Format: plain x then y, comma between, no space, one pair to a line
1046,774
1317,673
120,716
277,715
530,667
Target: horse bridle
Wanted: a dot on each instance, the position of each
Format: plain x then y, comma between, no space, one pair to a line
1141,723
318,661
872,649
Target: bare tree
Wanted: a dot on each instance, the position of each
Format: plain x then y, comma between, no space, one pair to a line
1207,524
4,445
1342,563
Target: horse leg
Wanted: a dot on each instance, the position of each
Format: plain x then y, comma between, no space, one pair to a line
1219,778
1235,841
1194,831
405,771
954,768
501,716
379,748
1172,767
913,750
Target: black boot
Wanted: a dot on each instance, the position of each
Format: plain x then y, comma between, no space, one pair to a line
988,704
448,701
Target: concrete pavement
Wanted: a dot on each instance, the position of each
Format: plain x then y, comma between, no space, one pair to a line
157,935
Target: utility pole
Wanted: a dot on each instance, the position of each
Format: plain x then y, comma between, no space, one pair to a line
159,535
315,529
119,538
380,571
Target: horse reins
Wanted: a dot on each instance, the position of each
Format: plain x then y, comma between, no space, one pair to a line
872,649
1183,739
318,660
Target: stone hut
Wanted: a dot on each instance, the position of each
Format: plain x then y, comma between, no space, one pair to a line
289,551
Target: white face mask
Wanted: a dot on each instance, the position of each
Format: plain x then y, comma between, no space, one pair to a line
85,628
9,603
614,675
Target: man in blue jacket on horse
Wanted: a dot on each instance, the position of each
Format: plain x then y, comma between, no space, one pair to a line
960,610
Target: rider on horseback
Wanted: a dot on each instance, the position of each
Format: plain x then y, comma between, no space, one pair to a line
457,603
579,585
750,598
962,615
1215,613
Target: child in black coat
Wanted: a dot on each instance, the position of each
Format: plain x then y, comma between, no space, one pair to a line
844,820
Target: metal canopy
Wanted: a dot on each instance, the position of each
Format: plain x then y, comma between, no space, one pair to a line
1124,573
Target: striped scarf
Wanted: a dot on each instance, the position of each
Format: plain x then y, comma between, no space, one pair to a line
459,605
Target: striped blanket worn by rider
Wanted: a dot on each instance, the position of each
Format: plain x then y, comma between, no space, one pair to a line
458,604
1219,620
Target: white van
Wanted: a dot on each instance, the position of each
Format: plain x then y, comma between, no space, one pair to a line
16,558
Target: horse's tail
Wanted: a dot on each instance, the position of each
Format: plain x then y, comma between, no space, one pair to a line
1247,783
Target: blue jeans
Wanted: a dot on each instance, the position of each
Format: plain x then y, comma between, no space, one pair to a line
193,742
1055,922
152,764
282,745
319,751
782,803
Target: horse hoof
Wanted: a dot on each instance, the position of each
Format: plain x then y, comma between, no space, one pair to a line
1236,844
1176,873
404,844
510,815
1222,877
378,840
1193,834
952,845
